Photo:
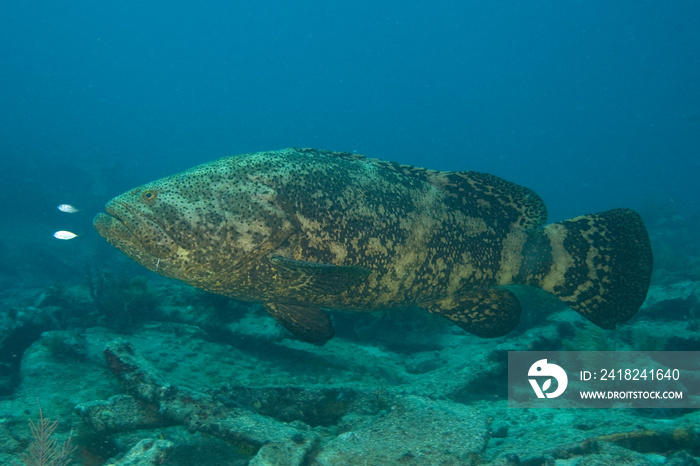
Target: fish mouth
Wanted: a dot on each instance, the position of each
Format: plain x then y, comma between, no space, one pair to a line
127,229
122,215
114,225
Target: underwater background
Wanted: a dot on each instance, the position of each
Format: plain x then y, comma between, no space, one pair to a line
594,105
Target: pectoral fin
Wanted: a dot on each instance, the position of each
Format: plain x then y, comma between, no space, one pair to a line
317,278
307,323
485,313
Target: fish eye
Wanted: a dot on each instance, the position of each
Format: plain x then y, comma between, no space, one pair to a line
149,195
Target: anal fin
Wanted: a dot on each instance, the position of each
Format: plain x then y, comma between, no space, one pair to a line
484,313
307,323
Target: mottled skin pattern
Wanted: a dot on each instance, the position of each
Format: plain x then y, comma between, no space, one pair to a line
300,230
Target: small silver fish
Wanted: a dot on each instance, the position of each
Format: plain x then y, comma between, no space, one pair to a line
67,208
63,234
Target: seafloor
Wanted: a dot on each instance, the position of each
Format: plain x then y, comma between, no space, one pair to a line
140,370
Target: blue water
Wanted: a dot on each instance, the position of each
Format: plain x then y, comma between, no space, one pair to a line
593,104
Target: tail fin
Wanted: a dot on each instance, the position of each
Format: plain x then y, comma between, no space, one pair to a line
600,264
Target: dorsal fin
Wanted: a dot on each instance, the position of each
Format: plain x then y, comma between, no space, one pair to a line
522,205
485,192
488,194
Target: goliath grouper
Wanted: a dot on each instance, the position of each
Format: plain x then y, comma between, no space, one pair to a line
300,230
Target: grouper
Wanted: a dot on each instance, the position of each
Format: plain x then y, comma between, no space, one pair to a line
303,230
